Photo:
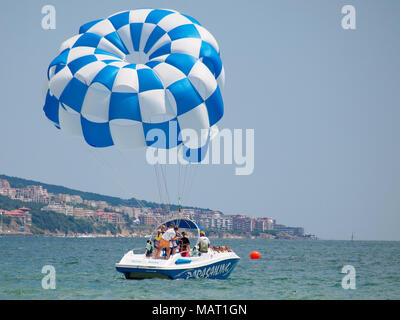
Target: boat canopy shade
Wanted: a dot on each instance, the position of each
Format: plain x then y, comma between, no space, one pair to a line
183,223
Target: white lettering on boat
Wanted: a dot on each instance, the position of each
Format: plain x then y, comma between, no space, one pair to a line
207,272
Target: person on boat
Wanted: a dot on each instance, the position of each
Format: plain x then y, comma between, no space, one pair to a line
165,240
203,243
194,252
175,240
184,245
157,239
149,248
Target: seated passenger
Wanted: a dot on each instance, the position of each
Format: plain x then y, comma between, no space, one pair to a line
194,252
149,248
184,245
203,243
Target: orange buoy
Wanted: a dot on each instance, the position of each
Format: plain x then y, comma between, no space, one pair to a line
255,255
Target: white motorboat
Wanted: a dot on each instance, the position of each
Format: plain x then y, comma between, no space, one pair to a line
215,264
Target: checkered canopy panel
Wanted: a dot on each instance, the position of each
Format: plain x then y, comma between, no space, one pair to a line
135,71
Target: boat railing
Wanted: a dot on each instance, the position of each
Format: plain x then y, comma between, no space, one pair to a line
137,249
178,254
190,252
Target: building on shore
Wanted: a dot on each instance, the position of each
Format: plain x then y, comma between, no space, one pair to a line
223,223
4,184
263,224
21,215
84,213
72,199
109,217
90,203
294,231
242,223
151,219
60,208
8,192
33,194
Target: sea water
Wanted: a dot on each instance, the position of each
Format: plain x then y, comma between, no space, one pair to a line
288,269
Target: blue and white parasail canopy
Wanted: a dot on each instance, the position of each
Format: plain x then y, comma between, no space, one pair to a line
135,71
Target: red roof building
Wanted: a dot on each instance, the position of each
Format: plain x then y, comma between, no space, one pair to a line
21,214
109,217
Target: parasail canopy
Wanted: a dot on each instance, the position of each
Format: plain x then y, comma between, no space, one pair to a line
135,77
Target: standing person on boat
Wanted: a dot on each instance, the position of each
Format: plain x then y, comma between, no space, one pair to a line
157,240
175,240
203,243
165,239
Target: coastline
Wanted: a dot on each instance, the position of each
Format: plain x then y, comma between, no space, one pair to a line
59,211
142,235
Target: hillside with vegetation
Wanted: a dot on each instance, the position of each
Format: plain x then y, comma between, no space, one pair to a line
50,222
53,210
22,183
16,182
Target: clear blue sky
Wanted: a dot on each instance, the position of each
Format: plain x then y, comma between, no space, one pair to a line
324,103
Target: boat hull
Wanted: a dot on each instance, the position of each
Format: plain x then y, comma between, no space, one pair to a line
217,270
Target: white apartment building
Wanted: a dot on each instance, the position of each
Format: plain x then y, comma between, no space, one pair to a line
60,208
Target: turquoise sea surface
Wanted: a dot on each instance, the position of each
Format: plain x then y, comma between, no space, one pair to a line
288,269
